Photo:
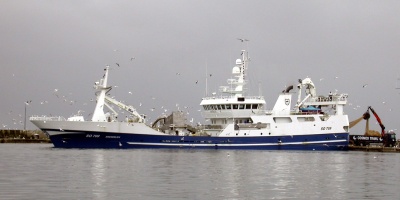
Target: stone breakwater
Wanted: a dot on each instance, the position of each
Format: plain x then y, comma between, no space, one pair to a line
23,136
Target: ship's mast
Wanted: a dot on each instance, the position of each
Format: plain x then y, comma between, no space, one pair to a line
98,114
239,71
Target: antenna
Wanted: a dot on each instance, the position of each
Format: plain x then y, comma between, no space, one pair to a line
206,78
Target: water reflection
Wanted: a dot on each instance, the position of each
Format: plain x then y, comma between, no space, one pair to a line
98,174
282,175
184,174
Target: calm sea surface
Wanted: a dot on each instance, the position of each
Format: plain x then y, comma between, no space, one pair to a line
38,171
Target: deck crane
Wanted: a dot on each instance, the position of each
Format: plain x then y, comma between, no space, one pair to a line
310,91
130,109
104,100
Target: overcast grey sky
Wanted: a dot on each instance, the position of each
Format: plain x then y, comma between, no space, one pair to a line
64,45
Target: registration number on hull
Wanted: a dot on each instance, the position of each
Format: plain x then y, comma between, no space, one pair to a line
326,128
92,136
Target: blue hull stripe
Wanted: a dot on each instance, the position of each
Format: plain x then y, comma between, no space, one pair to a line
233,145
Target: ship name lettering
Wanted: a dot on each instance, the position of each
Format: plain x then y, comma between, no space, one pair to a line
326,128
112,136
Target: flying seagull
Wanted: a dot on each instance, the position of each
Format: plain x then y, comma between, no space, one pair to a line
242,40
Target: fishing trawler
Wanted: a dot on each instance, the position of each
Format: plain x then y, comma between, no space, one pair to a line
236,121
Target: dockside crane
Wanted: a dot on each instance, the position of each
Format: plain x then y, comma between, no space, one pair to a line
370,136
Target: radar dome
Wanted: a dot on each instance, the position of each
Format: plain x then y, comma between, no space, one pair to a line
236,70
238,62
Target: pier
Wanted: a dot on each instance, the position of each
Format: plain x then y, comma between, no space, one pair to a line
375,149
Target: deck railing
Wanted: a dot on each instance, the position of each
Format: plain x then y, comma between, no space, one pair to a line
230,97
45,118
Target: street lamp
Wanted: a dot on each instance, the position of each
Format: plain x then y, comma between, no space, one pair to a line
26,104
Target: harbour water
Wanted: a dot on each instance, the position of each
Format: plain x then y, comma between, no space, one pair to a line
39,171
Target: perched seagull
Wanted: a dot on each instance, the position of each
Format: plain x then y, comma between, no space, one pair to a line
28,102
130,92
365,85
197,82
117,64
133,58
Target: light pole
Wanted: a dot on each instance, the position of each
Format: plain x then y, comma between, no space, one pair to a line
26,104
